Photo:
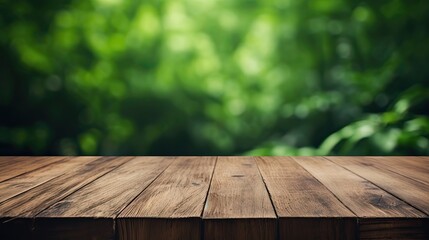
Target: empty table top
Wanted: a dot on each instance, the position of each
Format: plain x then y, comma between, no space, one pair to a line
214,197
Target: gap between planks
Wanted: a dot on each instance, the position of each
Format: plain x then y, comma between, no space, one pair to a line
27,219
84,185
205,200
210,185
137,174
39,163
405,199
171,205
271,199
134,198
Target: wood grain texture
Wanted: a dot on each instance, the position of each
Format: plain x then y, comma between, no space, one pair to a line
214,198
240,228
318,228
109,194
188,228
361,196
406,188
25,182
92,209
13,167
8,161
175,200
5,161
41,197
391,228
290,185
238,193
365,199
411,167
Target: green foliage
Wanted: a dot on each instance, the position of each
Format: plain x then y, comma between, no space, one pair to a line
191,77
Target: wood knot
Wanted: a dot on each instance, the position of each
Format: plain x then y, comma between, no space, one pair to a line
238,175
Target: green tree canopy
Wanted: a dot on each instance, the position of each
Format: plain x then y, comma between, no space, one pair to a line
217,77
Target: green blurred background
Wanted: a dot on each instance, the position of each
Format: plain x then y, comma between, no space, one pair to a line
214,77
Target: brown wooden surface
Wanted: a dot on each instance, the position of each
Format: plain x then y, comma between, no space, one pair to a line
360,195
41,197
364,198
102,199
27,181
290,185
410,167
171,206
214,197
391,228
406,188
13,167
109,194
6,161
237,194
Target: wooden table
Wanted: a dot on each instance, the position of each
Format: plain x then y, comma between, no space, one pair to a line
214,197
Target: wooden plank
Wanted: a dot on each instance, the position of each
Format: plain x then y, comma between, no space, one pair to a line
14,159
159,228
421,160
106,196
25,182
358,194
239,201
35,200
96,205
20,166
305,207
365,199
318,228
413,192
289,185
7,160
411,167
240,228
391,228
170,208
312,195
73,228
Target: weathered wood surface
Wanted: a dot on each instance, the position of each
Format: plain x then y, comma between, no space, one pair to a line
27,181
37,199
170,208
300,199
238,200
11,166
102,199
214,197
365,199
402,186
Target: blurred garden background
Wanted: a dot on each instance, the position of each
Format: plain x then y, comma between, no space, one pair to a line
214,77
